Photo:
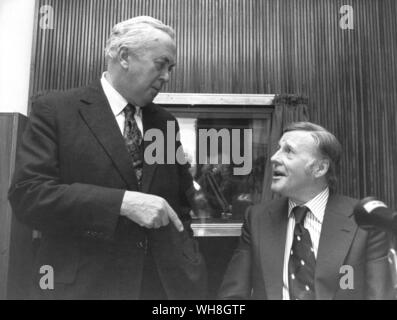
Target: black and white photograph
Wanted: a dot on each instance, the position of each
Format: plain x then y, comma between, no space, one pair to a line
191,153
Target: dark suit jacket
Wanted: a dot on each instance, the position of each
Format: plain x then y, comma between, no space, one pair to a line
256,268
72,171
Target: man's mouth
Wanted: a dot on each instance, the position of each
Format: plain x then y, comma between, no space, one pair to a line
157,87
277,173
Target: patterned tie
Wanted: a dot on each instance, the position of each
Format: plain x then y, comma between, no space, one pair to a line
133,140
302,263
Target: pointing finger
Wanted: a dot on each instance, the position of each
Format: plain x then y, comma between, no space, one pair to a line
175,219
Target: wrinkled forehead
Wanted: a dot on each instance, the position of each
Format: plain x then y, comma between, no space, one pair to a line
300,141
160,36
160,43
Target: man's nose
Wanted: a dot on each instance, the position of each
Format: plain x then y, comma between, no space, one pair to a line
275,157
165,76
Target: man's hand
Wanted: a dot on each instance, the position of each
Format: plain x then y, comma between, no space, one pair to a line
148,210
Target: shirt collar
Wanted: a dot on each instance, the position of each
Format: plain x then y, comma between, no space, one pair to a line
116,101
316,205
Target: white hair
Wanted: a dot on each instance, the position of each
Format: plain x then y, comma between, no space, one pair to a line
135,34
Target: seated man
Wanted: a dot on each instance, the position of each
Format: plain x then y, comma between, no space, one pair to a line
306,244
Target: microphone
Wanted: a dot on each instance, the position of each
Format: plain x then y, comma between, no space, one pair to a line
371,212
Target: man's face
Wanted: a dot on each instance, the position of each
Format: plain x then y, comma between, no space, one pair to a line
293,165
149,70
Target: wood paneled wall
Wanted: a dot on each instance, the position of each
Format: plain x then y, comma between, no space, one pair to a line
258,46
16,248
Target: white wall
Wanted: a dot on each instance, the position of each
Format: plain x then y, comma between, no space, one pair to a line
16,33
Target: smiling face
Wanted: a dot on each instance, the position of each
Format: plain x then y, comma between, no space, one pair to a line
298,171
143,74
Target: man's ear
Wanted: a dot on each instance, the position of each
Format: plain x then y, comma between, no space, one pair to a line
321,168
122,56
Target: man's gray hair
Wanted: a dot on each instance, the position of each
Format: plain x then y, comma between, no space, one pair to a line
328,146
135,33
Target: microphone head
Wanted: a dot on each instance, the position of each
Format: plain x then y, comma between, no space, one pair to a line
371,212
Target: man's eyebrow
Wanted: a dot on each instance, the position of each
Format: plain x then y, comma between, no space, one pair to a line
166,59
289,145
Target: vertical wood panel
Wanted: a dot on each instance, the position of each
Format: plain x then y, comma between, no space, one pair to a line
16,254
259,46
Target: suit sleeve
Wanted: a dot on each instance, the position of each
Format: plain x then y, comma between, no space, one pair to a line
40,199
237,280
378,272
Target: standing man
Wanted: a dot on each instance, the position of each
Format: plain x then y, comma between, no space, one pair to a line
113,226
301,245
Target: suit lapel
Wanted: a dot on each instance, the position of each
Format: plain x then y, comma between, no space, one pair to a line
337,233
98,116
150,121
272,247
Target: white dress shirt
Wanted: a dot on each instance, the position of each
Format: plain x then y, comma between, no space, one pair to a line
313,222
117,103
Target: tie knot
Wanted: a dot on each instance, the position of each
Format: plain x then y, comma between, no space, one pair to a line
300,213
129,111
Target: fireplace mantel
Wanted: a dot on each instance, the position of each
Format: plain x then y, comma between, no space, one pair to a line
214,99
